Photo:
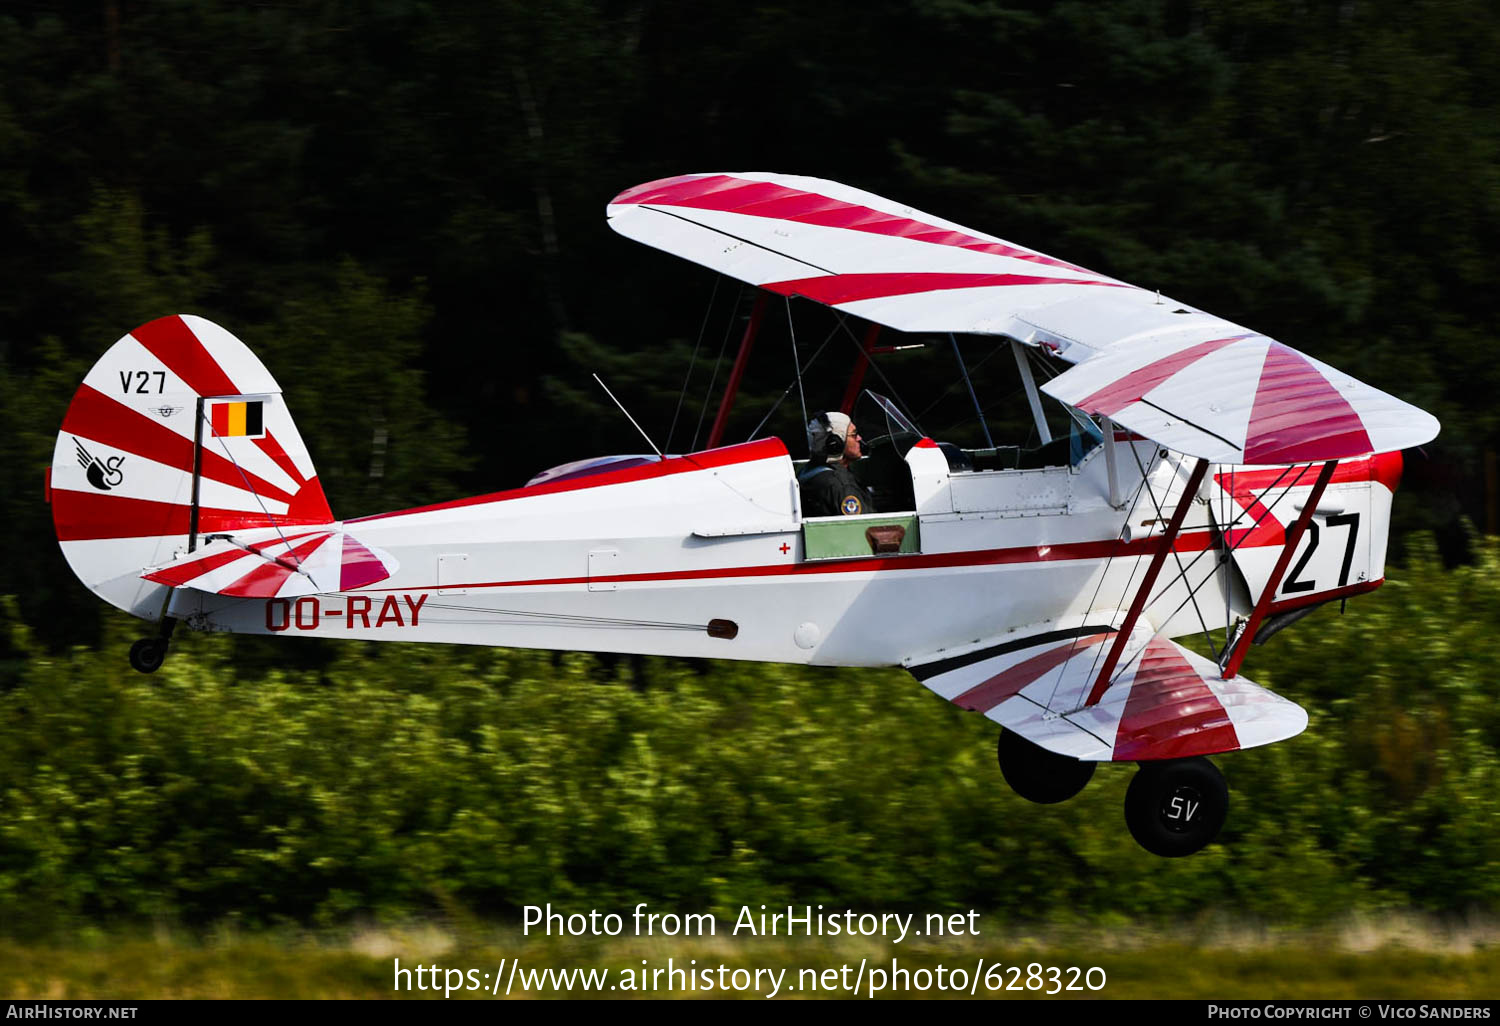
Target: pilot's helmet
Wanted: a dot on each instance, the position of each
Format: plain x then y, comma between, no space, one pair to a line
826,433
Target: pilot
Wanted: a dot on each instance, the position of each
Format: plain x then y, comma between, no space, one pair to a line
829,488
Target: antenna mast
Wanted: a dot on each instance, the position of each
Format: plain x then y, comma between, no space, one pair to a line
629,417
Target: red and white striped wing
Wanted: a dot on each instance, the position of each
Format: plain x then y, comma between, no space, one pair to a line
298,562
848,249
1194,382
1165,702
1241,398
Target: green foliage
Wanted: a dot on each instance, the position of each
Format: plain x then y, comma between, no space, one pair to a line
401,781
399,207
291,965
348,347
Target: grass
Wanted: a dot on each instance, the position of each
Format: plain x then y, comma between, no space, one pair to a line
1365,959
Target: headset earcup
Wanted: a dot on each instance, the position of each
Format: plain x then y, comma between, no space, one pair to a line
833,445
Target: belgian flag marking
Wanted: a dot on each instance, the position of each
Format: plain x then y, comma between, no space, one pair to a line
233,420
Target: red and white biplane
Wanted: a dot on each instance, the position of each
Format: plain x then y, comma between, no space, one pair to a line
1214,480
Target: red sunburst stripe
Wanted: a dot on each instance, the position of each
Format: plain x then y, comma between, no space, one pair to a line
172,342
833,289
359,566
265,581
1250,488
83,516
1298,414
268,444
1009,683
97,417
770,200
1171,713
179,575
1120,393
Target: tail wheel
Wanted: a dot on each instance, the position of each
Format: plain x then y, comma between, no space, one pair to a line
1039,775
147,655
1175,808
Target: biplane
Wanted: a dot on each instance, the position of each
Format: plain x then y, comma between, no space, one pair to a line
1212,480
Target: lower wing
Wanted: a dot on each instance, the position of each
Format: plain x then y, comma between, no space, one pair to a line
1163,702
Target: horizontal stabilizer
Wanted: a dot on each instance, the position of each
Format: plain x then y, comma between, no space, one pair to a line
299,562
1164,702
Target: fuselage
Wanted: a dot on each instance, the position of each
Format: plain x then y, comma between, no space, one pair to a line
644,559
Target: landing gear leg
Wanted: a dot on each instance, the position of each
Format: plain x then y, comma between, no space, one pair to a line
147,655
1039,775
1174,808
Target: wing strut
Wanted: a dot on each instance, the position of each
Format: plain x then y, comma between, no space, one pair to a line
1032,396
197,477
716,434
1236,655
1195,479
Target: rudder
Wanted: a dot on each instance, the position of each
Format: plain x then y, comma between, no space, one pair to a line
177,393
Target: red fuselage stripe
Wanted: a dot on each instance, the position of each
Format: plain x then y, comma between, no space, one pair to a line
1196,541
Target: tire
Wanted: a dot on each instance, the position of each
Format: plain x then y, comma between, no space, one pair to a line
1176,808
1039,775
147,655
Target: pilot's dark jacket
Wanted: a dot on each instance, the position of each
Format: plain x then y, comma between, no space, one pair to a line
831,489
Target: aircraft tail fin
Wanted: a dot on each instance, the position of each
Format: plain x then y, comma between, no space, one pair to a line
177,433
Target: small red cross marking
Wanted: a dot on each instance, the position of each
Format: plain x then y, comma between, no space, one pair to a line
785,548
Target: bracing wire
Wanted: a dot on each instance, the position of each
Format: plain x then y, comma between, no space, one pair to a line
1103,574
1159,454
714,378
1177,557
1231,548
796,360
1232,524
793,383
896,395
702,328
275,524
959,380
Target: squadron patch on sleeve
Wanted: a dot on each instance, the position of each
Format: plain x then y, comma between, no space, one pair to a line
851,505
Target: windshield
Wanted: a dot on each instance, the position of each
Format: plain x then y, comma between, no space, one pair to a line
895,421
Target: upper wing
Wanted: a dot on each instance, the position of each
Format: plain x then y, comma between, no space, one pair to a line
850,250
1164,702
1197,383
1240,398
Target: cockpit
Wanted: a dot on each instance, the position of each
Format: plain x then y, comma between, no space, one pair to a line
886,472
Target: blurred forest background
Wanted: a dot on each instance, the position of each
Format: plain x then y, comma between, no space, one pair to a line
400,207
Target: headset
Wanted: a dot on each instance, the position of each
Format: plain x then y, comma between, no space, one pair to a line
822,440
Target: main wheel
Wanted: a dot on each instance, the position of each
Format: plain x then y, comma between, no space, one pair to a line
1039,775
1175,808
147,655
